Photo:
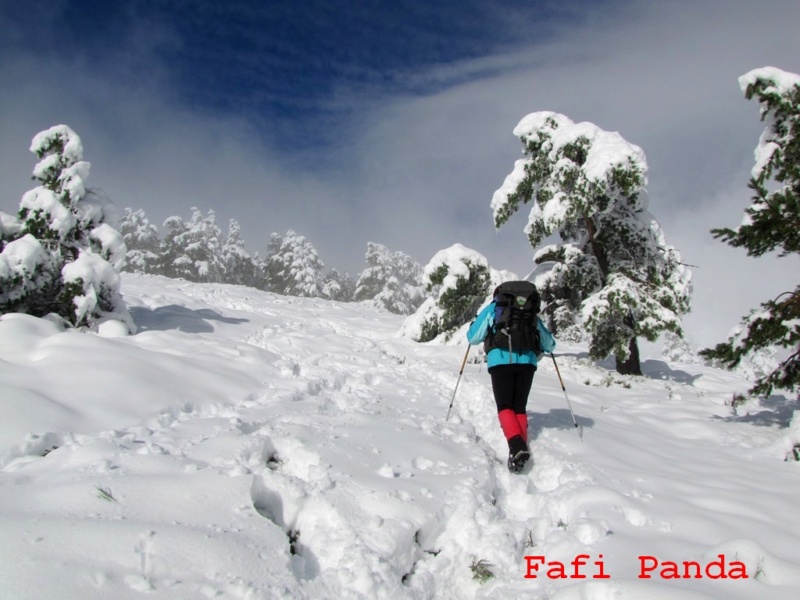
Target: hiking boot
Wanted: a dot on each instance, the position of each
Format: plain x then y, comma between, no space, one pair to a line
518,460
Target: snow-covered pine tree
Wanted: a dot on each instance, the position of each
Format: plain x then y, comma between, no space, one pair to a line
30,276
457,280
391,280
571,276
677,349
237,264
62,255
192,250
613,269
260,281
293,267
172,261
771,222
205,246
141,240
269,270
337,286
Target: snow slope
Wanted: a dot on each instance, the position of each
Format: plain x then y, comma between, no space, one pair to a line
245,445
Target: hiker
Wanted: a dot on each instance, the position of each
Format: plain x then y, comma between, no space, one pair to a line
513,335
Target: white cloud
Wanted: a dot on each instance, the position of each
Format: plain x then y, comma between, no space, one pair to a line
666,79
417,173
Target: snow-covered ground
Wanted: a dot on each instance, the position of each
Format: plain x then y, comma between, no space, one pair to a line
247,445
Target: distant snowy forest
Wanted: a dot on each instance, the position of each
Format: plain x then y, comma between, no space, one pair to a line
198,251
605,271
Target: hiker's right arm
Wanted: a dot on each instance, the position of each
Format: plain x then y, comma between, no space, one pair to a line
480,326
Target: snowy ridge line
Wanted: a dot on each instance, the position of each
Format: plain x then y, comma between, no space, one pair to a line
244,445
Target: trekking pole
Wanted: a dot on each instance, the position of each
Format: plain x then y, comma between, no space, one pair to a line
569,404
460,373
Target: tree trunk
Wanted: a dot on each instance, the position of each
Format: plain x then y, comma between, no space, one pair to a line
597,250
632,366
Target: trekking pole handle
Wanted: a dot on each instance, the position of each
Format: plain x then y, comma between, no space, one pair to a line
464,362
561,381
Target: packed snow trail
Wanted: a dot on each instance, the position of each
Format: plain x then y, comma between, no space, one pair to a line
247,445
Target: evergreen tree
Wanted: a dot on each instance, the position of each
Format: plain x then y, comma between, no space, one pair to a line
141,240
30,274
260,280
172,260
392,280
338,287
192,250
270,269
613,272
571,277
62,255
205,247
771,222
237,264
293,267
458,281
678,349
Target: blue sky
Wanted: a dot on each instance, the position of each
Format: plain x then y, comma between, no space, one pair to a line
282,65
391,122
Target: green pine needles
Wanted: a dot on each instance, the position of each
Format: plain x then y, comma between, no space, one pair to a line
481,570
612,276
61,254
771,223
458,280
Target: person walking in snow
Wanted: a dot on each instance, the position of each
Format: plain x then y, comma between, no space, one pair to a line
514,337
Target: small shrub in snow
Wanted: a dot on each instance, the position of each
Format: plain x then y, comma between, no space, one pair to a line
738,400
481,570
105,494
529,543
796,452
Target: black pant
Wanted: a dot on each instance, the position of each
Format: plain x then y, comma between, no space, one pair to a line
511,385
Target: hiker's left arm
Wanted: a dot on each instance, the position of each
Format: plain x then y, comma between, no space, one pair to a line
480,326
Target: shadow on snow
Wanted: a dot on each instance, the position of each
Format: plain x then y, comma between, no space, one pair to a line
658,369
651,368
776,410
558,418
165,318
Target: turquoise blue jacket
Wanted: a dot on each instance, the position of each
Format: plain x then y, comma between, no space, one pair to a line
480,327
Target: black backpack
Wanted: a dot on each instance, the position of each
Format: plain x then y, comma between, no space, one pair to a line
517,305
